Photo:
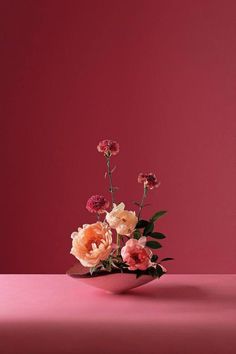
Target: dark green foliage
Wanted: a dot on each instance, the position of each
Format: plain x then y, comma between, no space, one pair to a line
141,224
167,259
137,234
148,229
154,258
153,244
157,215
157,235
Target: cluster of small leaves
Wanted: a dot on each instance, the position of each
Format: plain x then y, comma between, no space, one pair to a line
116,265
147,227
155,272
105,265
113,263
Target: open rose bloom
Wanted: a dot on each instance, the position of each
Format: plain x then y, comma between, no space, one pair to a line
92,244
136,255
123,221
120,240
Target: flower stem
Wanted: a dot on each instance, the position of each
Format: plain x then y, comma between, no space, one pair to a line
118,244
111,189
145,190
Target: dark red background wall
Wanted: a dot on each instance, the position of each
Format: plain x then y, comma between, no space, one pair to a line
157,76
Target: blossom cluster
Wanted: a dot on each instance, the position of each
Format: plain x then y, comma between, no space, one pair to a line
94,245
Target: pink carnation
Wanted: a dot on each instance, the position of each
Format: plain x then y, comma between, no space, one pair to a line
97,204
108,147
136,255
149,180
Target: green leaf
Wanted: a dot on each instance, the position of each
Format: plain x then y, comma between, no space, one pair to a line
167,259
92,270
153,244
148,229
152,272
137,234
157,215
141,224
159,271
154,258
138,273
157,235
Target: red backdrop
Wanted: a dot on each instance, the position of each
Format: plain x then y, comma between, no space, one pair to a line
157,76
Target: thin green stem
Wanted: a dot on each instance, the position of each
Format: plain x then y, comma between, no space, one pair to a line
111,188
145,190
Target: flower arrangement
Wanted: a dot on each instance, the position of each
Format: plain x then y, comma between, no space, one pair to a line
93,244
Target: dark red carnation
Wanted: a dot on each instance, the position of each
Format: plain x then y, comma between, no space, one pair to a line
108,147
97,204
149,179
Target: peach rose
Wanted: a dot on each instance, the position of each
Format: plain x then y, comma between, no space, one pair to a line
136,255
92,244
123,221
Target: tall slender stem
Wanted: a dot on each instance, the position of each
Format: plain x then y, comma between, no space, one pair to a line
111,189
145,190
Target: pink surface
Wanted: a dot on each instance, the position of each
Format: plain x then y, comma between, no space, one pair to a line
158,76
177,314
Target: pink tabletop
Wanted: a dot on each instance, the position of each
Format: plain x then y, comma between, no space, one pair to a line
176,314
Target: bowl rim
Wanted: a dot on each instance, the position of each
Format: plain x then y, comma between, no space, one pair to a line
79,271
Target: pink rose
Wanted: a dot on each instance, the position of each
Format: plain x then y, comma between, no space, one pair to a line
92,244
122,220
108,147
136,255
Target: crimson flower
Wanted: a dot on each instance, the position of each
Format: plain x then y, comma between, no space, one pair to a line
149,179
97,204
108,147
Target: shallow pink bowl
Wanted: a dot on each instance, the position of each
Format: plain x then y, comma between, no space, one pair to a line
115,283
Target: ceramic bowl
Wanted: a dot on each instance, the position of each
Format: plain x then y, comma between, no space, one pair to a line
115,283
